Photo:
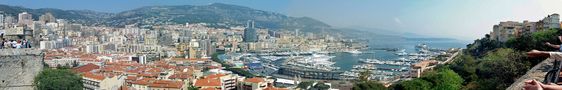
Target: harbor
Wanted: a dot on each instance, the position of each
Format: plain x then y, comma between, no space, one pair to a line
384,64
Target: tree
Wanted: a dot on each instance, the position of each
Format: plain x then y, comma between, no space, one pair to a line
445,79
364,82
507,64
192,88
415,84
58,79
321,86
441,79
364,76
305,85
464,65
369,85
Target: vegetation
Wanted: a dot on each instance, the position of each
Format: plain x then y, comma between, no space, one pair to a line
507,59
369,85
442,79
416,84
192,88
364,83
321,86
305,84
58,79
486,64
228,67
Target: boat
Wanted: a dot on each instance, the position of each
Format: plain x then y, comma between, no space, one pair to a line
364,66
354,51
401,53
380,62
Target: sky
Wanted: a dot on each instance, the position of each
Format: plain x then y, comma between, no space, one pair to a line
458,19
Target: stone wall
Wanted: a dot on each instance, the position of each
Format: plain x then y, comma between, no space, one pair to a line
18,68
538,73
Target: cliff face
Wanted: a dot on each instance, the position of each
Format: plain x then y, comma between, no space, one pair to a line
18,68
538,73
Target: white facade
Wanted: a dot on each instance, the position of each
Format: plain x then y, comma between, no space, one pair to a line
25,18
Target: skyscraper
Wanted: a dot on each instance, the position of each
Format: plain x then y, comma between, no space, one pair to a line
1,20
25,19
9,21
250,33
47,17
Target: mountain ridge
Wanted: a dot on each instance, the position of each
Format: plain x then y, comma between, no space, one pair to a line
216,15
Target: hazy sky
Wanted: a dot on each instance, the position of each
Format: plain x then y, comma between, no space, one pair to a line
460,19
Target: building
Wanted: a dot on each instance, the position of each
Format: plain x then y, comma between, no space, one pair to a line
167,85
550,21
250,33
9,21
47,18
309,73
253,84
151,37
279,82
1,21
47,44
419,68
25,18
66,61
217,81
529,27
505,30
18,33
510,29
94,81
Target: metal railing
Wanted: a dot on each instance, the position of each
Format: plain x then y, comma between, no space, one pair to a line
553,74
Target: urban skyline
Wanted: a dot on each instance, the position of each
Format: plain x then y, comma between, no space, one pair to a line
225,46
421,17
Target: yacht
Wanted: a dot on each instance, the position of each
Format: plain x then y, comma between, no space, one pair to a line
354,51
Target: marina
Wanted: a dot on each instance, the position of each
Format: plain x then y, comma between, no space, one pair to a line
387,64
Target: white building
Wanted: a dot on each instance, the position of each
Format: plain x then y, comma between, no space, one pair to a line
25,18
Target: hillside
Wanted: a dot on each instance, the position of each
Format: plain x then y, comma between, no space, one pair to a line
80,16
217,14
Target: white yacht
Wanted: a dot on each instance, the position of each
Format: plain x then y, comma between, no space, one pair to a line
354,51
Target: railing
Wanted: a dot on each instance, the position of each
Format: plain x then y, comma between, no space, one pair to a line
554,73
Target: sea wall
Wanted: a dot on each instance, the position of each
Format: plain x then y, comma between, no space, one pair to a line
18,68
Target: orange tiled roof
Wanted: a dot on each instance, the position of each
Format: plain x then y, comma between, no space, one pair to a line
166,84
180,76
131,78
208,82
113,69
144,81
148,74
254,80
215,76
209,89
86,68
93,76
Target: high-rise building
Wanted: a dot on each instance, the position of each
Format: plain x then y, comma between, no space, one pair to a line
1,20
250,33
47,18
25,19
9,21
